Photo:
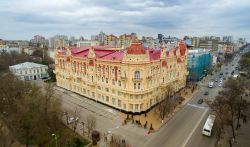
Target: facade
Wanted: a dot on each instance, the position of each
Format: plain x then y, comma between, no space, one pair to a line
132,80
111,40
29,71
209,44
150,42
126,40
196,42
227,39
198,61
58,41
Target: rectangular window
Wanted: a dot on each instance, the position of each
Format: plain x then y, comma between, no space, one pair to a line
120,84
136,107
136,97
119,72
84,91
93,94
139,85
134,86
113,101
141,107
113,91
88,93
113,82
113,71
119,103
99,96
131,107
131,96
107,98
119,93
124,106
107,89
99,87
107,80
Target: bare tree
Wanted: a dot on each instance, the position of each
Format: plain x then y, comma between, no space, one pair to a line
49,92
76,118
90,124
166,105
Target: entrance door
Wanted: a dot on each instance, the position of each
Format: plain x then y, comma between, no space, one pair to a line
34,77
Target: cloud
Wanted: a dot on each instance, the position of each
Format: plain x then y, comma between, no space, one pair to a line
23,19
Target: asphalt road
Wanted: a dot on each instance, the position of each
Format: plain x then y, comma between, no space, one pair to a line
184,129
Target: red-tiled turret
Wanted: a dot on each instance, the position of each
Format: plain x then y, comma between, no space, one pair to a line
136,48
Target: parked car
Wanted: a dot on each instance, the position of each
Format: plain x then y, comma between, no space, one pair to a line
200,101
206,93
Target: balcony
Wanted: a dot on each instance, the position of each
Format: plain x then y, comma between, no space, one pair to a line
137,79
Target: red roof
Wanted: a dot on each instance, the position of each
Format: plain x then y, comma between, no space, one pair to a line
136,48
154,54
105,52
183,48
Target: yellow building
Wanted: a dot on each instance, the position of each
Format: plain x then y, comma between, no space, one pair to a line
110,40
132,80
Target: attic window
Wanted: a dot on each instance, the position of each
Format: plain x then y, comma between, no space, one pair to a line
113,58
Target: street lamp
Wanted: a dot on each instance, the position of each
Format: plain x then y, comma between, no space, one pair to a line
54,135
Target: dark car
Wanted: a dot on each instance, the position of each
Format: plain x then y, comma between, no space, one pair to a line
221,73
206,93
200,101
226,73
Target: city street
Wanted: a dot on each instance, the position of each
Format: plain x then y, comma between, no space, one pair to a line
183,130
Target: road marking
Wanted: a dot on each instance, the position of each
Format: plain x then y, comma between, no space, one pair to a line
197,106
192,132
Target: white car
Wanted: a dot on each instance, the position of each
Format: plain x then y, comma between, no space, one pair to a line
220,84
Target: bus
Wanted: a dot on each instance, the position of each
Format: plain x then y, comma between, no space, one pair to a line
207,128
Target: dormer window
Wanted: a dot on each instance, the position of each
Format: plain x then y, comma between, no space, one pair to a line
137,74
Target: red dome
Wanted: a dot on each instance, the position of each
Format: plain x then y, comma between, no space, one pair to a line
136,48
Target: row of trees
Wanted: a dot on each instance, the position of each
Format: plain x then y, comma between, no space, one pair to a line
245,62
231,107
32,114
168,104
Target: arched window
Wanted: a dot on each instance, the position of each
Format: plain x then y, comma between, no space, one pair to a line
137,74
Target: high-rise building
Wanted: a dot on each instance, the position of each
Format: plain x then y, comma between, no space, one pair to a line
40,40
58,41
111,40
131,80
227,39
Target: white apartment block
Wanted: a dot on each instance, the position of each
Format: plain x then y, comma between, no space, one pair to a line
29,71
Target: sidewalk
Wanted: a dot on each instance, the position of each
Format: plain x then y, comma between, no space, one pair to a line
153,118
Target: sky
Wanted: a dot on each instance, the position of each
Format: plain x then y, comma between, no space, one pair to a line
22,19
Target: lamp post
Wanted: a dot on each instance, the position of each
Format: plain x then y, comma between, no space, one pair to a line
54,135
